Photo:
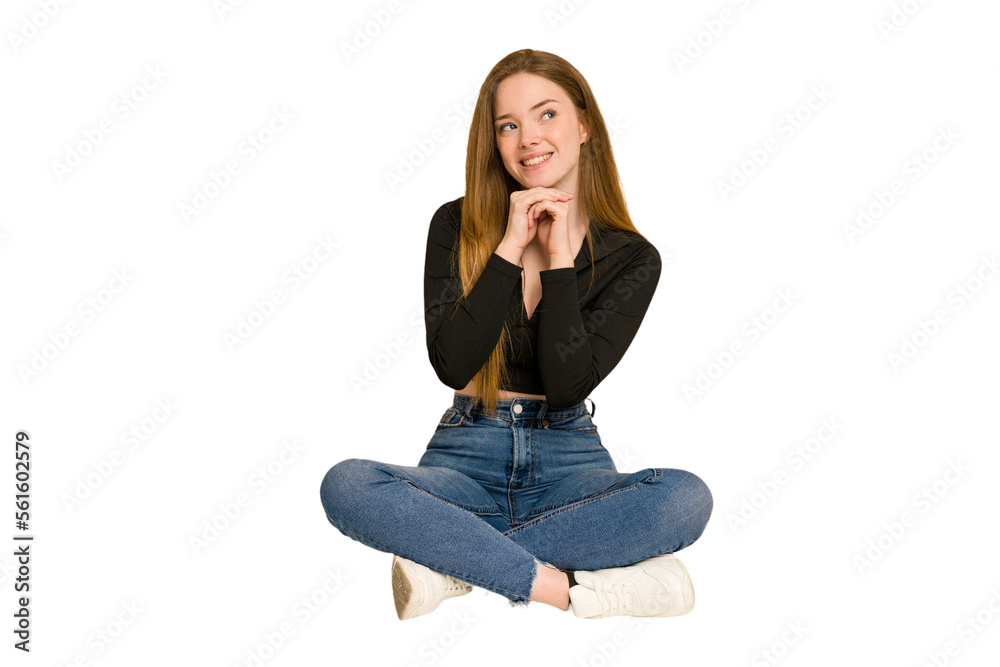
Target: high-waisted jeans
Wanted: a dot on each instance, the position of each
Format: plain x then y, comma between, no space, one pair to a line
492,498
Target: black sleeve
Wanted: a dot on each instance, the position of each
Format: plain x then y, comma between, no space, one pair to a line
462,334
573,358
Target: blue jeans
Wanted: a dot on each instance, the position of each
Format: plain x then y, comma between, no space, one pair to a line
493,497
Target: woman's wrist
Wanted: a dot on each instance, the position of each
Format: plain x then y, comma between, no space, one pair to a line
510,252
560,261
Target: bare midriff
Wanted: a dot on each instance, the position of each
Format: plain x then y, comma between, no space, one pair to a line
502,395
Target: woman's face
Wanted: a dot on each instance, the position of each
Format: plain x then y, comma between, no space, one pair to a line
534,117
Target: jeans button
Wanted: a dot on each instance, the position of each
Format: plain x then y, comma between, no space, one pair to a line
517,408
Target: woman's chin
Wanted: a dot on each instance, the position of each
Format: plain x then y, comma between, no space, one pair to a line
529,183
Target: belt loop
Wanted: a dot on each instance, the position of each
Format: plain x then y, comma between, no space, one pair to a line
593,409
468,408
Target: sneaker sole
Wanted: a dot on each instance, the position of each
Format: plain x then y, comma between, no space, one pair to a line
402,591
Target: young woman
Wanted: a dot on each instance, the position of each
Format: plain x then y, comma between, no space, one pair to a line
535,284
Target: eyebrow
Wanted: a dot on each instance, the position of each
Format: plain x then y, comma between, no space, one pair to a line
507,115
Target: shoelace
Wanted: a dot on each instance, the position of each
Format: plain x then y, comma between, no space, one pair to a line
614,596
454,586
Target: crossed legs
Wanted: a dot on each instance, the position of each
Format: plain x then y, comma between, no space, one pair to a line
447,521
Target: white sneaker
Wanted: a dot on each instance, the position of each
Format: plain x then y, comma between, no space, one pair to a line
658,586
418,590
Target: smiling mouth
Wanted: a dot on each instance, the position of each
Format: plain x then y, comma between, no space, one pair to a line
537,160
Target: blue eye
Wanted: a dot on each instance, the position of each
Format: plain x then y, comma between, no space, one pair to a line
501,127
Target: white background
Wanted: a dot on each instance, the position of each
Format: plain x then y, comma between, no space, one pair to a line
340,366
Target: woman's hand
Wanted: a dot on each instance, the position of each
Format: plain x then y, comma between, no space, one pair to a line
535,208
552,219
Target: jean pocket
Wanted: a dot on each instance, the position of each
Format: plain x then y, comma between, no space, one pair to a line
582,423
450,419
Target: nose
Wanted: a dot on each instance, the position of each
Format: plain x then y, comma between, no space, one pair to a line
529,137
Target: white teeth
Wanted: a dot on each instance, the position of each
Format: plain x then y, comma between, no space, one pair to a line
532,162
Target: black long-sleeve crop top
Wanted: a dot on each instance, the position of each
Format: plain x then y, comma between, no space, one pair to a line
573,339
